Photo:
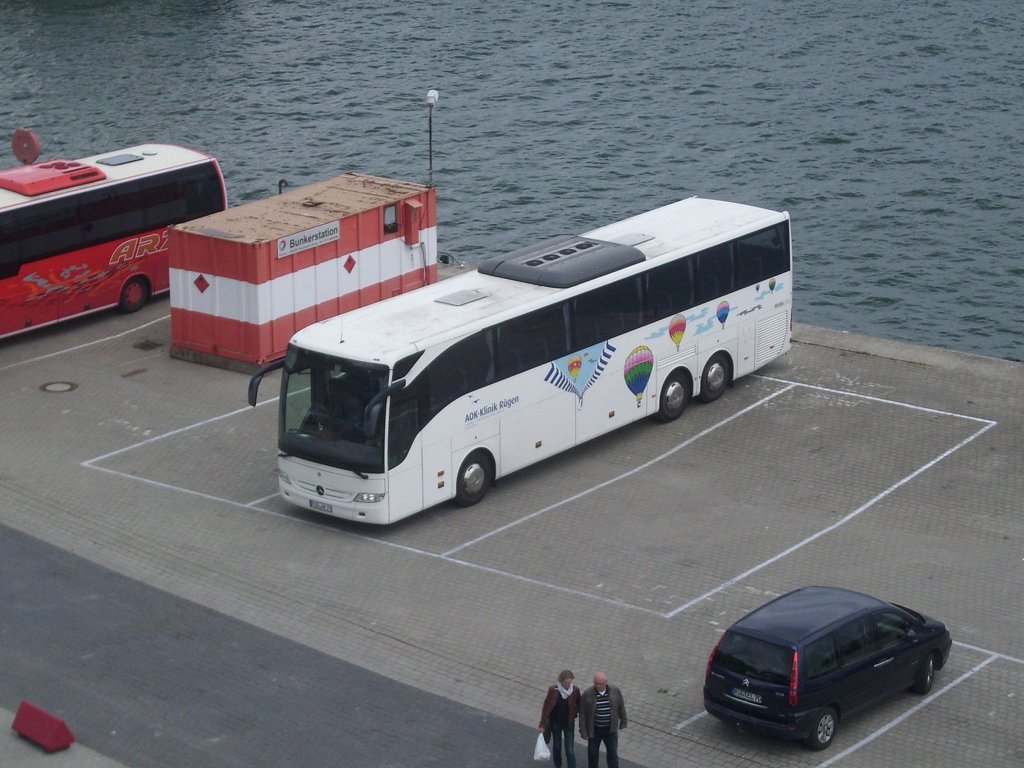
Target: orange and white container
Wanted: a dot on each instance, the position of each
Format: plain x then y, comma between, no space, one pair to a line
244,280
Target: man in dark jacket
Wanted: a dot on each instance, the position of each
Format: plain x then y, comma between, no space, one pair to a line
602,716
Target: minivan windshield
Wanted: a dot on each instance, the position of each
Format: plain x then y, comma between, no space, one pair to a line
752,657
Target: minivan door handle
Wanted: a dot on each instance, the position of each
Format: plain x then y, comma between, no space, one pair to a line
883,662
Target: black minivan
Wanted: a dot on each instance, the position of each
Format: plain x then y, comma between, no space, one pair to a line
797,665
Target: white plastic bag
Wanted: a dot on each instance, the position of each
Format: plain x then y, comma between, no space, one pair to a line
541,751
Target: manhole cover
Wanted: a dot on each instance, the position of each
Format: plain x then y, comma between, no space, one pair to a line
58,386
147,345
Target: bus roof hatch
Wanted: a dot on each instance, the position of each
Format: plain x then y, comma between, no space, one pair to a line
38,179
563,262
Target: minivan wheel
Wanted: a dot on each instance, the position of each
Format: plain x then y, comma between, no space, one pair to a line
824,729
925,675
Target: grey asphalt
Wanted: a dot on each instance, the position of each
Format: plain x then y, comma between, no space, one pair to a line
144,678
159,596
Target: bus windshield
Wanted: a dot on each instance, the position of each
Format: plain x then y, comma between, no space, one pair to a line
327,414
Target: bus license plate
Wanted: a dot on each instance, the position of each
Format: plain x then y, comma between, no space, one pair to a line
753,698
321,506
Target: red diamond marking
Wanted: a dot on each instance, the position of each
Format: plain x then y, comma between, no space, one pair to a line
350,264
201,283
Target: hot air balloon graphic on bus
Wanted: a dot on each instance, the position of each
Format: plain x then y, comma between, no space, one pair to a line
676,329
574,365
637,372
723,312
577,373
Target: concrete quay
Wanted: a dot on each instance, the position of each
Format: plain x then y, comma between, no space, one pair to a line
894,469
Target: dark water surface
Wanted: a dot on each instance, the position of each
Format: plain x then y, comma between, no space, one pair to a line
892,132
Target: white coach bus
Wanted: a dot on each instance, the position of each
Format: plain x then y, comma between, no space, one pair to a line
430,396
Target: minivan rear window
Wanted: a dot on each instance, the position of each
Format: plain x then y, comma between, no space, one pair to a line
751,657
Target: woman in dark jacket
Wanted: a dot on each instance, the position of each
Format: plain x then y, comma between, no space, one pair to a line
558,717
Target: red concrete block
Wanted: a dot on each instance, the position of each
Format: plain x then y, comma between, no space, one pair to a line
36,725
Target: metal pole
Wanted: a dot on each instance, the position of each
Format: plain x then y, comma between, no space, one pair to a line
431,101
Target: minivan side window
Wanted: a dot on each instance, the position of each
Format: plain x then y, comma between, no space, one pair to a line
820,657
892,627
855,640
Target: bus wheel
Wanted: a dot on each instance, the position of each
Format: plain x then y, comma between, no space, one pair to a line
716,376
134,295
675,396
475,476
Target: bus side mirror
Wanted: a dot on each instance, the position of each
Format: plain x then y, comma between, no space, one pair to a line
254,382
371,413
371,419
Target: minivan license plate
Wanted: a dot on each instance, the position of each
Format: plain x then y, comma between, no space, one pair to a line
753,698
321,506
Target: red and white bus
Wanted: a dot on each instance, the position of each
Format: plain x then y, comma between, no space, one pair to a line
85,235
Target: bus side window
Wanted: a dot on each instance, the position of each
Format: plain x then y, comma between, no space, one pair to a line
761,255
9,262
463,367
403,426
444,380
46,229
608,311
531,340
203,191
162,203
777,250
477,355
668,289
106,214
749,268
714,273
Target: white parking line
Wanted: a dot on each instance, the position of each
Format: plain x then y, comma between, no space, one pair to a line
1002,656
448,555
896,721
689,720
623,476
83,346
882,400
829,529
172,433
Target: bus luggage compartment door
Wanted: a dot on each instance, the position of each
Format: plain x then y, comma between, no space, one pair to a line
438,475
531,433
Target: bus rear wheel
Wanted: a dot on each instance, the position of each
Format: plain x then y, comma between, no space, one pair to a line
475,476
716,376
675,396
134,295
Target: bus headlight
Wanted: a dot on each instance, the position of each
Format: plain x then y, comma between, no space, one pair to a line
368,498
284,477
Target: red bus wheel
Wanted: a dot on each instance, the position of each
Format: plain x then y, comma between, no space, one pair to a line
134,295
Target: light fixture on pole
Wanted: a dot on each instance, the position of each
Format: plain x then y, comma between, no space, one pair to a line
431,101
